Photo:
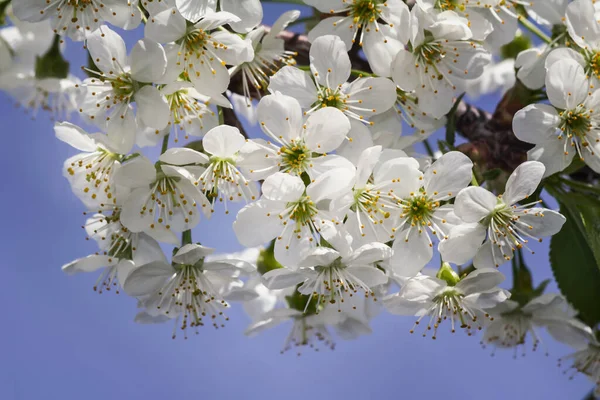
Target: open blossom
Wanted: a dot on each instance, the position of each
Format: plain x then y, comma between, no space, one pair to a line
472,11
269,56
163,198
569,126
379,27
443,56
586,361
496,226
332,276
328,87
381,178
512,323
122,252
201,51
77,19
91,173
293,214
249,12
422,212
190,115
464,302
191,290
298,144
124,80
222,179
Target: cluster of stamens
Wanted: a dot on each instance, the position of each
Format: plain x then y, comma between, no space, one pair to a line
98,168
224,181
190,296
578,131
295,157
185,110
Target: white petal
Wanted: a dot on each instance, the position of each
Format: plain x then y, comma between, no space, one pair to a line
376,95
474,203
543,222
166,26
253,227
148,278
581,24
75,136
193,10
411,252
250,13
90,263
283,187
148,61
552,154
280,116
370,253
326,129
448,175
282,278
331,184
319,256
223,141
480,280
329,61
370,276
523,182
381,48
153,108
296,83
462,243
138,172
566,84
191,253
107,49
183,156
536,123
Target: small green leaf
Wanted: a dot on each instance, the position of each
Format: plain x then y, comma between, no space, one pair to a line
575,255
52,64
266,260
451,123
492,174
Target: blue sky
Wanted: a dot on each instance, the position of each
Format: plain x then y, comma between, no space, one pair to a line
61,340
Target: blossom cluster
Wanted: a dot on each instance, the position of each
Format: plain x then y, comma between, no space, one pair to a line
341,215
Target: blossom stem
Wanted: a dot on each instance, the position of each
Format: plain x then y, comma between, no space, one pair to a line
358,72
531,27
474,179
186,237
221,115
428,148
165,144
578,185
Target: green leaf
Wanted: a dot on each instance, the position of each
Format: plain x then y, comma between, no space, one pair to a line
492,174
52,64
575,255
266,259
451,123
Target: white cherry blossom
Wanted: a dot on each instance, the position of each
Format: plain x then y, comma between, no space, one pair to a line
124,80
328,87
298,144
293,214
191,290
249,12
464,301
422,212
360,23
495,226
77,19
569,126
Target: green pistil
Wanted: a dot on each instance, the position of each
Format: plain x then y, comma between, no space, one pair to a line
295,157
303,211
123,86
576,122
419,209
331,98
449,5
196,40
593,64
364,12
430,53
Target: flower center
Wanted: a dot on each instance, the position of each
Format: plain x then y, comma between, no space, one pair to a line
331,98
76,3
430,53
295,157
364,12
418,209
123,87
576,122
302,211
196,40
192,297
449,5
98,168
